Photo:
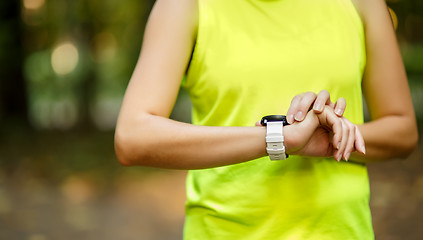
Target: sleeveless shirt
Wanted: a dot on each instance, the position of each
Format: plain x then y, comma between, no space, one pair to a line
250,59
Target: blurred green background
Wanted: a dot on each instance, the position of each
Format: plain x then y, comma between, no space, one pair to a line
64,68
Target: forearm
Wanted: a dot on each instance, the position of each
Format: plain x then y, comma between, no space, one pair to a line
160,142
388,137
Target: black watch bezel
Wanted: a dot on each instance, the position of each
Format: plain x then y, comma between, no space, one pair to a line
274,118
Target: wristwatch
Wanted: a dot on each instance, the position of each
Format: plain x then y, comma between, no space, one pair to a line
274,136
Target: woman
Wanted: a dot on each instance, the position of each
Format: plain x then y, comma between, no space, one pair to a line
248,58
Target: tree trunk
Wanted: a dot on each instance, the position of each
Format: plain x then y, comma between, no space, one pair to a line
13,95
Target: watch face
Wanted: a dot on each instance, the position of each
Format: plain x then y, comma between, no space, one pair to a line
274,118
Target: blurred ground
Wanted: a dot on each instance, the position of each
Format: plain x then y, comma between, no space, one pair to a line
56,185
48,192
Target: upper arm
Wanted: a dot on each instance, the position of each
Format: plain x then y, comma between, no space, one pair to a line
168,41
385,84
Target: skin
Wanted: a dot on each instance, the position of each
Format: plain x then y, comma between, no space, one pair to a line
303,102
392,132
146,136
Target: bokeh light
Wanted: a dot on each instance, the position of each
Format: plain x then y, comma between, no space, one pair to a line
64,58
33,4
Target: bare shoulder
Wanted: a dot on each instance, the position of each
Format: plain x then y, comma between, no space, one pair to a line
176,11
371,11
179,4
189,8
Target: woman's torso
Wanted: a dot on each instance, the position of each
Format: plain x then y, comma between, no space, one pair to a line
251,58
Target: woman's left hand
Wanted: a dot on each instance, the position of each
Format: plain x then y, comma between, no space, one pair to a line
324,135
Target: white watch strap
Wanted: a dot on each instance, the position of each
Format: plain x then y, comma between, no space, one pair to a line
274,141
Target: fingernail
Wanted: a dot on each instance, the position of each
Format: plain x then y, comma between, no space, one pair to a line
290,118
338,112
363,149
318,107
338,157
299,116
338,146
347,156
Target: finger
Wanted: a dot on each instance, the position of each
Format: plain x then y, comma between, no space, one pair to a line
330,120
305,104
340,106
343,145
359,142
258,123
293,108
323,98
351,139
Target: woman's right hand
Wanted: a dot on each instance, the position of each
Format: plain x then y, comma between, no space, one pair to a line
306,101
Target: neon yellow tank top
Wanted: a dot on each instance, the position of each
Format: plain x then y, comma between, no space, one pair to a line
251,58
